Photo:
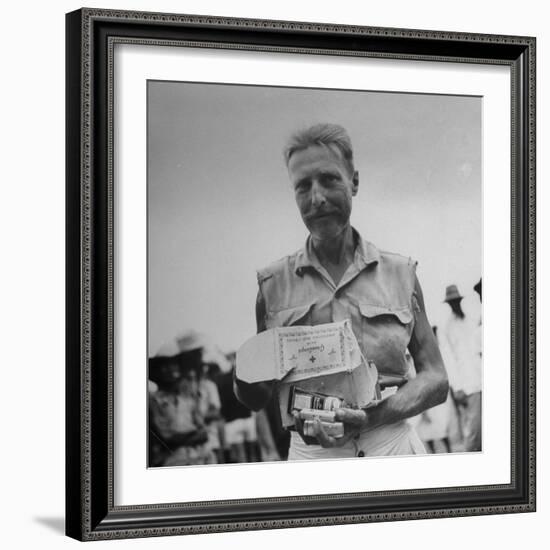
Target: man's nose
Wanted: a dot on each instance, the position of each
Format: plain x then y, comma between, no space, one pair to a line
317,194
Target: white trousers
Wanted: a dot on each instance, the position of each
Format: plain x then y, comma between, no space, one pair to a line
399,438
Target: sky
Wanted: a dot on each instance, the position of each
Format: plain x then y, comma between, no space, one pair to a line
220,205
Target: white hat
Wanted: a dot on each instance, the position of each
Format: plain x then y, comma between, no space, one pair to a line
185,341
169,348
190,340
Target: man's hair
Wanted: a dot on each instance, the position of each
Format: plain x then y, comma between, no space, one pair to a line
324,134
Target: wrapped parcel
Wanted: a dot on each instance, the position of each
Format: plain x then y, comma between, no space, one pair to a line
322,360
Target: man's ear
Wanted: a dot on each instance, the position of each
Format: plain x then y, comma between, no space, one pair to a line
355,183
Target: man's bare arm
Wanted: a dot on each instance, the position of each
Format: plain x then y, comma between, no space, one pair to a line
255,396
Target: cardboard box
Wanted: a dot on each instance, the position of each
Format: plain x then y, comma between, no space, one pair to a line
325,359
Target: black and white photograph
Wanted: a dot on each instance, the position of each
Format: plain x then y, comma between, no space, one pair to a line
300,275
314,274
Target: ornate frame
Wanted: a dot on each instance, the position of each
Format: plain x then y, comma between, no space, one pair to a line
90,511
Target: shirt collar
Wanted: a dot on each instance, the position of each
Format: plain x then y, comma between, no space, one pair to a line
365,254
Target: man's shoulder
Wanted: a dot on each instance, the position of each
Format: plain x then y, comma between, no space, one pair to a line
388,258
285,264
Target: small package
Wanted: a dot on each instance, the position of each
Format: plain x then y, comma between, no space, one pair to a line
323,416
320,367
333,429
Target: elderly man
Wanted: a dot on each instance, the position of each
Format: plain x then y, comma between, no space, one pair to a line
337,276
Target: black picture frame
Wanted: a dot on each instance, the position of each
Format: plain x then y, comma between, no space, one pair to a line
90,510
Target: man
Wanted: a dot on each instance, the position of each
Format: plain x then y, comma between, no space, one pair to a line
461,344
340,276
177,431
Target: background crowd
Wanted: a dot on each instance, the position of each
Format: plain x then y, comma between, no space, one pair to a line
195,418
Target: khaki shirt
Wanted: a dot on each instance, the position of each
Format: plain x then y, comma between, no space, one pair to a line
376,292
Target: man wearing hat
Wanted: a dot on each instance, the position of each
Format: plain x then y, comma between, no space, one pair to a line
460,345
477,288
177,432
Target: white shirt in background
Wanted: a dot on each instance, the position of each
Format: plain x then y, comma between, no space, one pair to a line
460,344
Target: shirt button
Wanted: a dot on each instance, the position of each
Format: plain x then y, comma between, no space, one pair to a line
361,454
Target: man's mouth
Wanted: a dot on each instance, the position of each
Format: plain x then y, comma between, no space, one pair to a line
319,215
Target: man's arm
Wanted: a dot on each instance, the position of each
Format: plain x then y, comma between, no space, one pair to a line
255,396
429,388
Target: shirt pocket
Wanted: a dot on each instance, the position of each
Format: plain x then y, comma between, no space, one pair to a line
297,315
371,311
385,334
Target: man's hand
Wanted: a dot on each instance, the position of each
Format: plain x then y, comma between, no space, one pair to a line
354,421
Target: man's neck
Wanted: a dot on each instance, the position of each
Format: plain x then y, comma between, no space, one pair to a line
336,252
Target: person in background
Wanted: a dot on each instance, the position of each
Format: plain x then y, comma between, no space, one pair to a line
479,329
209,405
461,352
240,423
477,288
210,408
157,449
176,424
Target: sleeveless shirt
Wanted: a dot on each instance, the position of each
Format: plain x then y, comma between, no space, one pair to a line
377,293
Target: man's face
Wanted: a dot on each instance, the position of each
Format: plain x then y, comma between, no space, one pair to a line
188,384
169,374
323,188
